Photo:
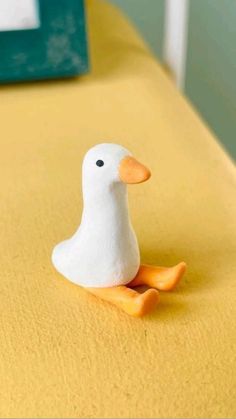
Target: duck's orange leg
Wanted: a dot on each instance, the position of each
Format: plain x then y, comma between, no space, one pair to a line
164,279
131,301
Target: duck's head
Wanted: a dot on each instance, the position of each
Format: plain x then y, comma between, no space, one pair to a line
106,164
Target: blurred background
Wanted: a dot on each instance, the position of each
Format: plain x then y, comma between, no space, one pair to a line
196,39
193,39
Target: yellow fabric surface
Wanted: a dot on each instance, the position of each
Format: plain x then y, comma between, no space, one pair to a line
63,353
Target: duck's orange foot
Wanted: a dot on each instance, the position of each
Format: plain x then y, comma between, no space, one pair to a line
164,279
130,301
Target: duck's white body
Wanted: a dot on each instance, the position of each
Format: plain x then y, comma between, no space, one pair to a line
104,251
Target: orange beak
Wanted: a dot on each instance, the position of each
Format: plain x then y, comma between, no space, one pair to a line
131,171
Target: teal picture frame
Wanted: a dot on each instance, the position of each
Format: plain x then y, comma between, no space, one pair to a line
58,48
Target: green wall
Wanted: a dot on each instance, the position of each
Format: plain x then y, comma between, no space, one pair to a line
211,57
211,66
148,16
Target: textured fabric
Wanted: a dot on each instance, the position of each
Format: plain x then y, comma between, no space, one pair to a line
63,353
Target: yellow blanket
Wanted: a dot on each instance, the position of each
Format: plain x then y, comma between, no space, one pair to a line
62,352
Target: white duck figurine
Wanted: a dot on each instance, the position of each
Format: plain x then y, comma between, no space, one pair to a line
103,255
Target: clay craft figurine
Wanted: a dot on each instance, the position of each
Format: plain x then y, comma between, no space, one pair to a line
103,254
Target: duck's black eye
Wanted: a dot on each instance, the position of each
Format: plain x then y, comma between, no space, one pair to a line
100,163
